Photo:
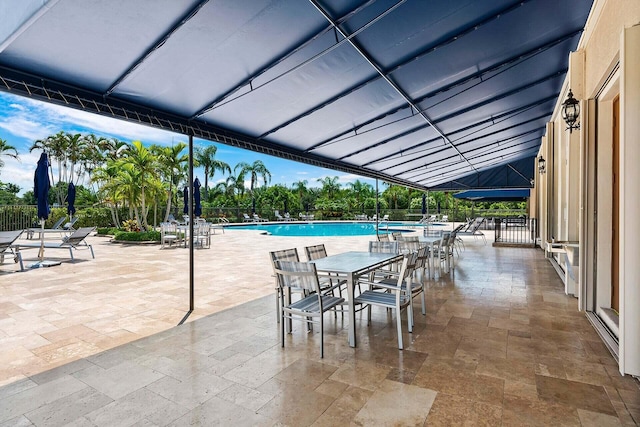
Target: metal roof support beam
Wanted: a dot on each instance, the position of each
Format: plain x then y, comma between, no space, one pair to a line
475,76
493,120
427,175
436,168
220,100
421,54
399,90
511,138
459,112
183,20
24,84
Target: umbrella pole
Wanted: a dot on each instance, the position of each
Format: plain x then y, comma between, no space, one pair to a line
41,253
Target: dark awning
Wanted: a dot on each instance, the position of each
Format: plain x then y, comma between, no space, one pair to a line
421,93
495,195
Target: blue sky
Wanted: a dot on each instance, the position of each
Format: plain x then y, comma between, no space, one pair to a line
24,120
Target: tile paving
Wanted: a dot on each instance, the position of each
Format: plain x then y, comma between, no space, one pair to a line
95,342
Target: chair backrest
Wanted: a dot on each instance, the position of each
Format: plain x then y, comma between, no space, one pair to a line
58,223
396,235
298,275
284,255
385,218
315,252
7,238
408,266
422,257
246,216
409,246
383,247
444,241
383,238
69,225
411,239
78,236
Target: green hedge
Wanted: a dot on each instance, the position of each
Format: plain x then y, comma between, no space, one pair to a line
136,236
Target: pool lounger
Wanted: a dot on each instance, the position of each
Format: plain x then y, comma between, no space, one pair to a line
74,241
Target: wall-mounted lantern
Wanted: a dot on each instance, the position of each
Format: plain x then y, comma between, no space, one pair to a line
571,112
542,165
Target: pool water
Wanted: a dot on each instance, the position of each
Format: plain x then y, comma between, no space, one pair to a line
342,228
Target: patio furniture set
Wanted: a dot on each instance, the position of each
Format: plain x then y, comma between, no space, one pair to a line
389,275
173,232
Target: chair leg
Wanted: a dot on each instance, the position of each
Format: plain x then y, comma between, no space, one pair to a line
399,323
321,336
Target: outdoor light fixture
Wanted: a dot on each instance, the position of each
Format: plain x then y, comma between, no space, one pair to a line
542,165
571,112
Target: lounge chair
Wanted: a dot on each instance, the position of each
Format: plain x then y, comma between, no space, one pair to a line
56,228
246,218
7,238
473,230
287,217
385,218
278,216
75,240
256,218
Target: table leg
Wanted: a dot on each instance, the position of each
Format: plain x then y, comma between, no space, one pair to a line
432,270
352,312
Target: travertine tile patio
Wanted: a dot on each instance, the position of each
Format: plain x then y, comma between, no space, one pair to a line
95,343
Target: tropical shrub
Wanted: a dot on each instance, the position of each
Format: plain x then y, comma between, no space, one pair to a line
137,236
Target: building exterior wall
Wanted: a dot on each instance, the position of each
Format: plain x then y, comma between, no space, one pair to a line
574,201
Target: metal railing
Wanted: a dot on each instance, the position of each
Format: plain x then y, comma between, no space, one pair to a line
17,217
516,231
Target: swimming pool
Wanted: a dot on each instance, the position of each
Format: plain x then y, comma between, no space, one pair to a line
342,228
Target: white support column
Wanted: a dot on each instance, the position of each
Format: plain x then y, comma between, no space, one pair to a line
630,202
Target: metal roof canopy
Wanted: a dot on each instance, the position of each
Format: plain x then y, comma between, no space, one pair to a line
495,195
431,94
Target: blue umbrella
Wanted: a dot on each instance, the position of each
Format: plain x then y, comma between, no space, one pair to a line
71,200
197,209
185,194
424,204
41,186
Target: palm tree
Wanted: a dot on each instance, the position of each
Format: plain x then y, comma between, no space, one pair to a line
300,187
393,193
255,170
330,186
5,150
74,144
361,190
206,157
173,165
144,163
108,188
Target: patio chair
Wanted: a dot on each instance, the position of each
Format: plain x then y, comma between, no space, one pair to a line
288,217
246,218
75,241
202,234
168,233
385,218
395,295
278,216
302,276
328,284
7,238
445,218
282,255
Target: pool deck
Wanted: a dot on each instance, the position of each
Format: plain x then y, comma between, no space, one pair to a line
94,342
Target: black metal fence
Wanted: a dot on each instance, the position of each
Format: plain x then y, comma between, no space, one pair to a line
516,231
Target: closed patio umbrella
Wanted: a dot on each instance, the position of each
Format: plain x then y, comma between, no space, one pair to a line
197,208
253,206
185,195
71,200
424,204
41,186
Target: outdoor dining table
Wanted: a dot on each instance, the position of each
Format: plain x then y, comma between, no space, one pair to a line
353,265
